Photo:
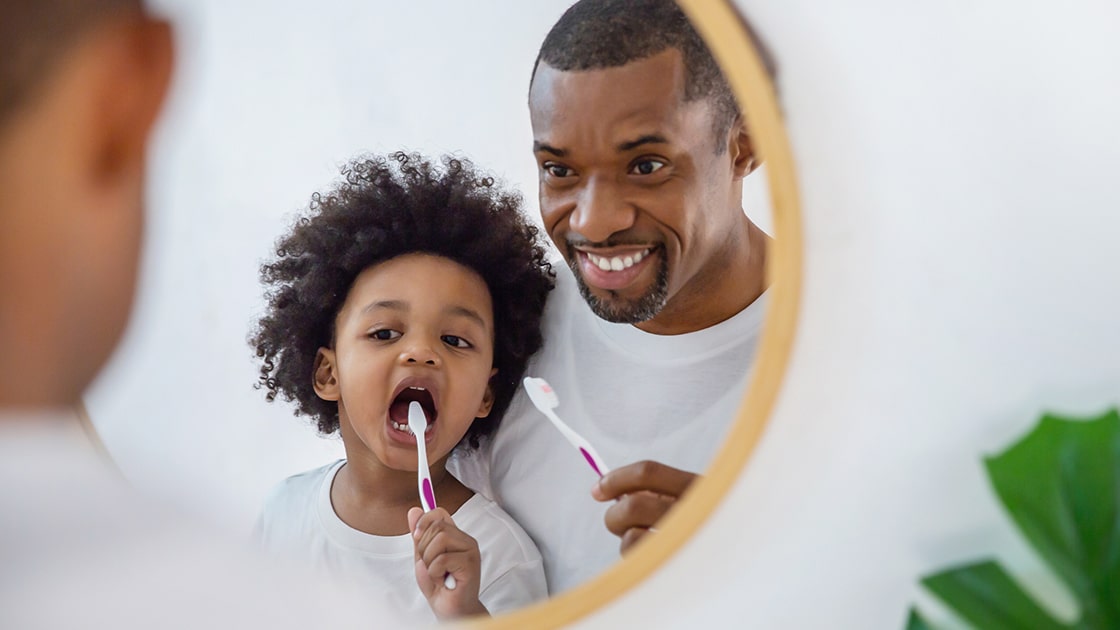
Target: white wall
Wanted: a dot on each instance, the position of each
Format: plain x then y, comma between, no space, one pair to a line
957,163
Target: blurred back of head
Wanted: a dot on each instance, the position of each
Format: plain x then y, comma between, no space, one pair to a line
81,83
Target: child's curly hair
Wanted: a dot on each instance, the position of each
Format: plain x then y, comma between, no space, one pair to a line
386,206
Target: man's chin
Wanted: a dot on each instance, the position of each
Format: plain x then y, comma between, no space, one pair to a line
614,307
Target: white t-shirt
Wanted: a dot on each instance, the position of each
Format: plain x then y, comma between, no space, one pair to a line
299,520
79,548
634,396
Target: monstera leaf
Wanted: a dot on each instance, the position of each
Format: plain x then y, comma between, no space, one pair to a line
1061,486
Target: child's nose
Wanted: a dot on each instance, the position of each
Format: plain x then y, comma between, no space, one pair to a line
419,353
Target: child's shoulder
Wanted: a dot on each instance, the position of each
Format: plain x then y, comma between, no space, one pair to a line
299,490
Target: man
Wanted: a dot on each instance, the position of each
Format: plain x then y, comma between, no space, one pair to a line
642,153
81,83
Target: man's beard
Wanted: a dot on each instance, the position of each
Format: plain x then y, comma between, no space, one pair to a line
622,311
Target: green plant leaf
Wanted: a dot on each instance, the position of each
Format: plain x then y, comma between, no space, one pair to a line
916,622
985,595
1061,485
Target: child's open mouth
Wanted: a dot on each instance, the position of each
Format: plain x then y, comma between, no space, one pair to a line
398,409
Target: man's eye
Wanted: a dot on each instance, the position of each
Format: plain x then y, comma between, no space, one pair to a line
456,341
385,334
557,170
647,167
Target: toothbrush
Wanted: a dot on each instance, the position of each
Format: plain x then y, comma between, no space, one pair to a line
418,424
545,399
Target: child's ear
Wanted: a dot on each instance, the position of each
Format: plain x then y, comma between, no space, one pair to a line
323,377
487,398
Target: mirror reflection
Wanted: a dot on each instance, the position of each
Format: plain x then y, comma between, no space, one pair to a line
408,292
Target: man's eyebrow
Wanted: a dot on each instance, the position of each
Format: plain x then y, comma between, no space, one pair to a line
539,146
395,305
649,138
463,311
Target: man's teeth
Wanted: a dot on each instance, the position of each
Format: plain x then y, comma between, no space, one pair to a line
617,263
404,427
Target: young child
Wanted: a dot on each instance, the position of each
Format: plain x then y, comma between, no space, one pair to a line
409,281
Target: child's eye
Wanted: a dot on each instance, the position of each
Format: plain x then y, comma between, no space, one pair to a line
385,334
646,167
456,341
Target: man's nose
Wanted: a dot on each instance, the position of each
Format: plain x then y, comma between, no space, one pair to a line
601,211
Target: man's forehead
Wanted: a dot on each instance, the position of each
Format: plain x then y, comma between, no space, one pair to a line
663,72
642,97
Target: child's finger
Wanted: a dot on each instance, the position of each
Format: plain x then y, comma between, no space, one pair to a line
424,579
440,542
430,526
457,563
414,515
426,519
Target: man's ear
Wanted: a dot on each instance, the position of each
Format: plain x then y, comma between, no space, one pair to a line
138,61
741,149
487,398
325,376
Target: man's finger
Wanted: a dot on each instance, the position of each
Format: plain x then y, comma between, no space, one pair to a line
631,537
644,475
638,509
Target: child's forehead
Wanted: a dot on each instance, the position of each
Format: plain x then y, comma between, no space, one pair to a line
418,281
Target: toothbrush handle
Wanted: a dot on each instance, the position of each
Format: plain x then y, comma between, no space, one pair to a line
428,502
583,446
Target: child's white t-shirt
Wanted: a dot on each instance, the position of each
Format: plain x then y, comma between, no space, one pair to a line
299,520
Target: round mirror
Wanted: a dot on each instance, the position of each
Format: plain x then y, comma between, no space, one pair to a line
266,108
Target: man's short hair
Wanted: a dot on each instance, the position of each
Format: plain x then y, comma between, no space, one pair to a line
34,34
597,34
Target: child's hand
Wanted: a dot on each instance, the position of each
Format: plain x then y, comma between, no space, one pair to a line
443,548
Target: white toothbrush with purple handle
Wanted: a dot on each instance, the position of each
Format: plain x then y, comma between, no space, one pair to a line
545,399
418,424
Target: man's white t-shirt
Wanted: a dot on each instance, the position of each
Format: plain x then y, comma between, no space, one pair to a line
79,548
299,520
634,396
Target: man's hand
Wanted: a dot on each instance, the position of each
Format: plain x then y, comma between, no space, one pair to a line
443,548
644,492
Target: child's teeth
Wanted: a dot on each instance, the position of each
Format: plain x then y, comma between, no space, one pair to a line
404,427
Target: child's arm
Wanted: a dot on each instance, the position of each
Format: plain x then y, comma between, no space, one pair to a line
443,548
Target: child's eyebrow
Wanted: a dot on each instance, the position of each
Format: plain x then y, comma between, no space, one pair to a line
463,311
395,305
401,305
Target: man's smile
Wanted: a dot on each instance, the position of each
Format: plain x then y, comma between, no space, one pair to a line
615,268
